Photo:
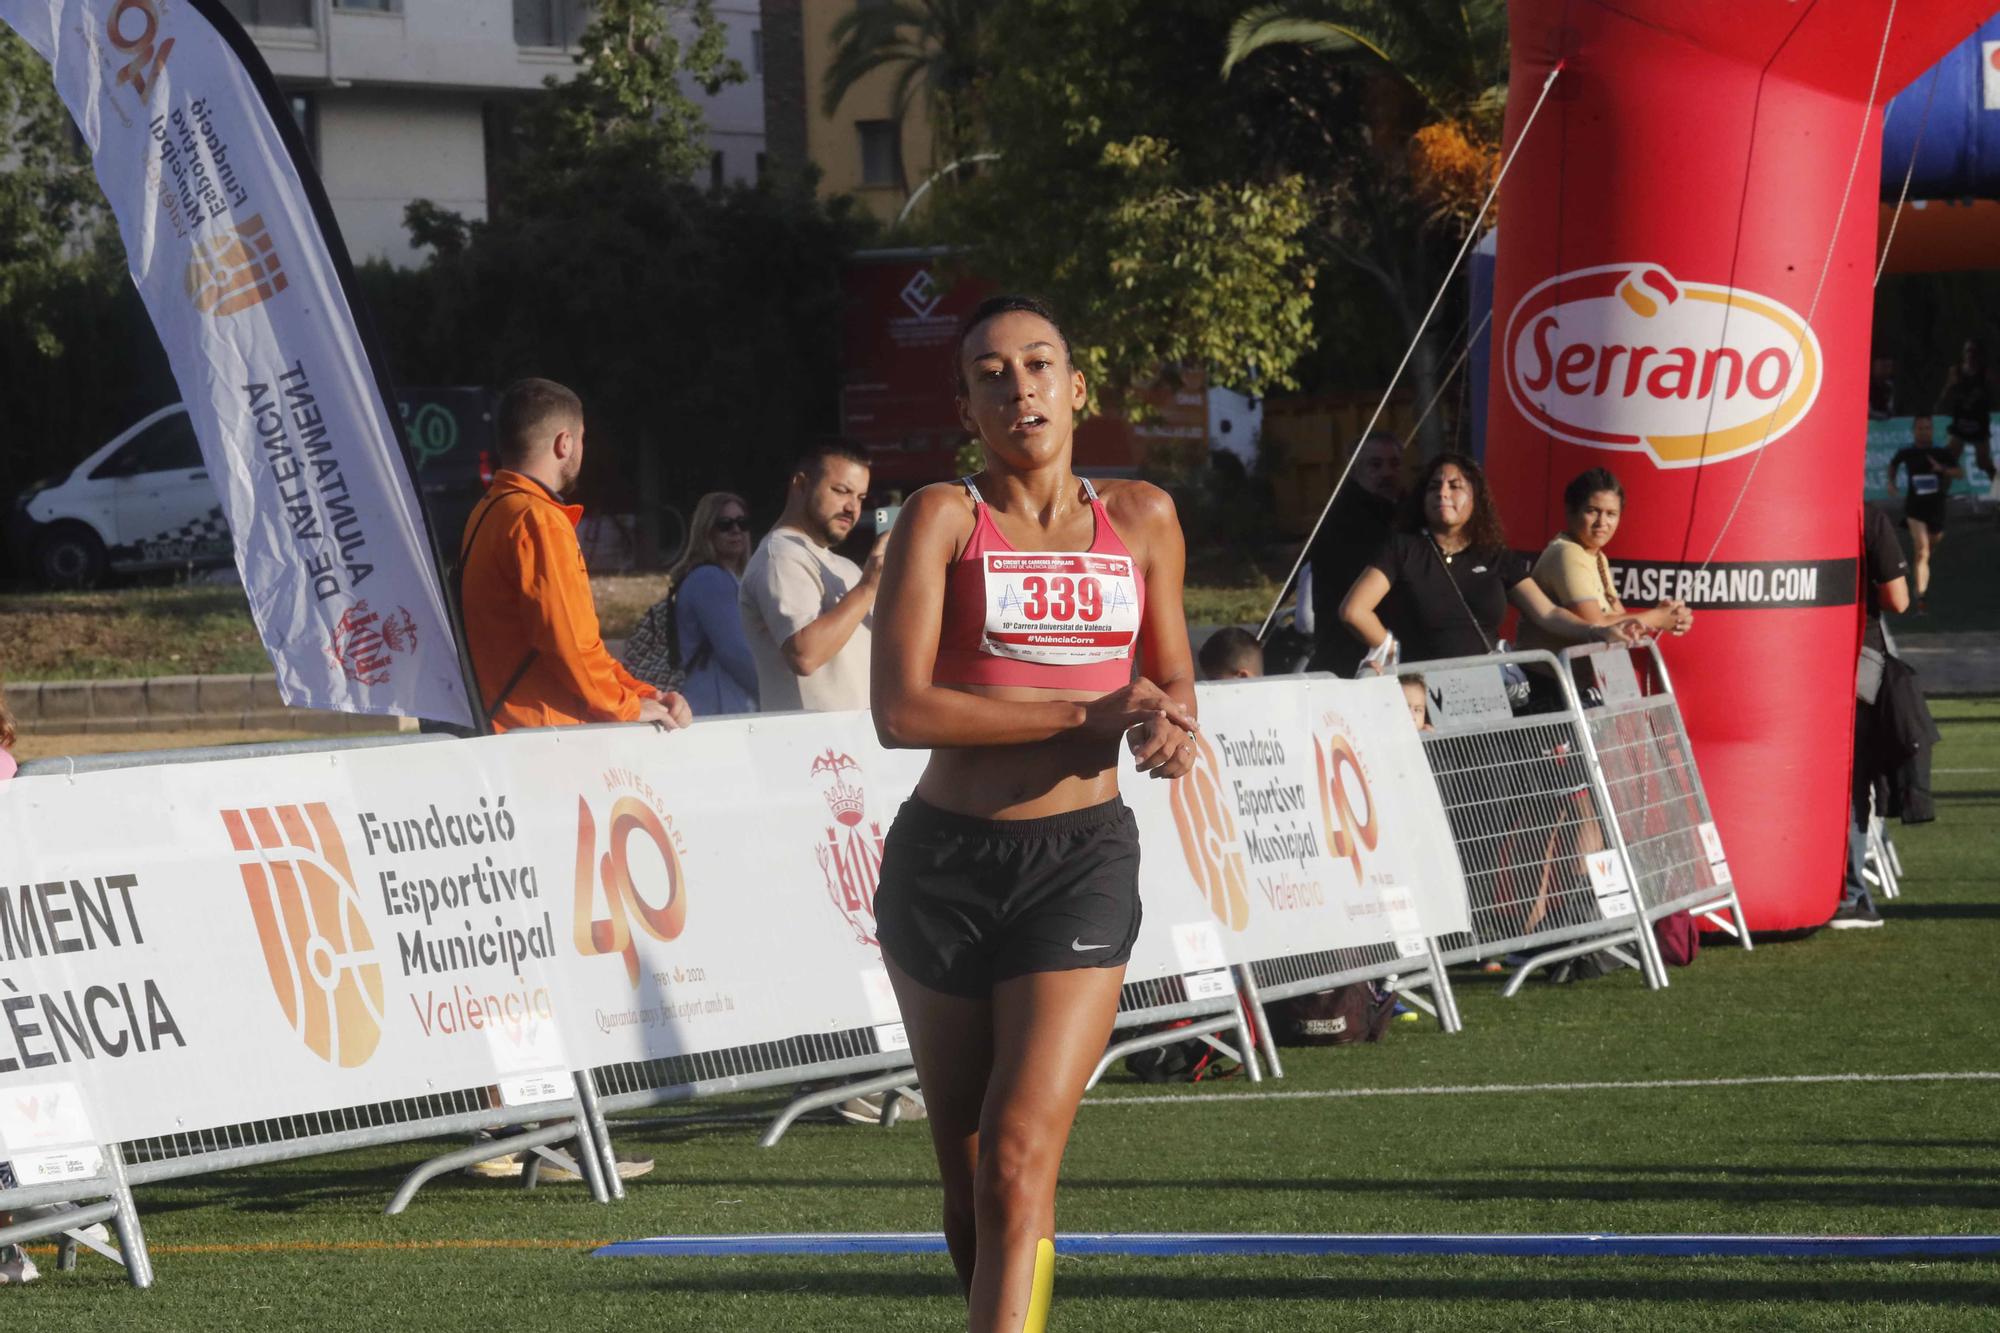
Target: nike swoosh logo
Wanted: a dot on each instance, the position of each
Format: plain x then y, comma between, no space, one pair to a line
1078,945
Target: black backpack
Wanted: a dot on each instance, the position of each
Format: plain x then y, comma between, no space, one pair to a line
653,652
1360,1011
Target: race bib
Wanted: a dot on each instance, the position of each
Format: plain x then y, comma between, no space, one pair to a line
1923,483
1060,608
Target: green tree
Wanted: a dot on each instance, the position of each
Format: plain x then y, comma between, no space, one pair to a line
934,48
1450,53
55,228
1403,139
78,356
699,326
1128,191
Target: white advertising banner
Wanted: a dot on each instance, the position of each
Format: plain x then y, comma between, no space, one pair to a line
234,250
1310,822
265,937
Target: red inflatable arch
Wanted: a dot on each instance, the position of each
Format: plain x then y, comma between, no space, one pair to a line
1659,309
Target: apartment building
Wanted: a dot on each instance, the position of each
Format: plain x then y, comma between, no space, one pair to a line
401,99
858,147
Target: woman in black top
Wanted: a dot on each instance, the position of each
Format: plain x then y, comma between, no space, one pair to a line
1968,401
1928,472
1455,575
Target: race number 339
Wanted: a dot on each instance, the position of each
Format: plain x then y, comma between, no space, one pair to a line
1060,608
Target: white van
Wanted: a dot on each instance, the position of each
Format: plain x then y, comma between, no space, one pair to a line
145,501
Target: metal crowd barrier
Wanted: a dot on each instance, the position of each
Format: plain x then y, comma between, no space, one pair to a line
1145,1005
1635,726
463,1112
1272,979
859,1064
1548,875
842,1056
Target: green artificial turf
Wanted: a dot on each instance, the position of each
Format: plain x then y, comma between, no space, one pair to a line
1824,1158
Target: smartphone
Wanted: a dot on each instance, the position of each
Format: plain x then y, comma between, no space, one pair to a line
885,518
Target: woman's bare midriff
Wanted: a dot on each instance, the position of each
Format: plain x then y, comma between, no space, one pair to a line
1023,781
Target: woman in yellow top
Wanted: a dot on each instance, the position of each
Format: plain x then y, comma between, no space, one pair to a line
1573,572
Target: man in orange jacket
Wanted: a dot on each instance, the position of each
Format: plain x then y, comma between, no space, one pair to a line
530,622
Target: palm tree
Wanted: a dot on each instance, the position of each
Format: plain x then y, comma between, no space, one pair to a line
933,47
1439,68
1451,53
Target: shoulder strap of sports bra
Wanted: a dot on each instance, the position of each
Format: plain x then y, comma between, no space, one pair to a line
1089,490
972,490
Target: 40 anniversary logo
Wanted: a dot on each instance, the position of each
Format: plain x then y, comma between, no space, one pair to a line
653,901
1342,778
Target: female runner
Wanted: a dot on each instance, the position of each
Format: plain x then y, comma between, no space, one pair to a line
1011,606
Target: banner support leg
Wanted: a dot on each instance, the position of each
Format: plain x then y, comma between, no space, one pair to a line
1246,986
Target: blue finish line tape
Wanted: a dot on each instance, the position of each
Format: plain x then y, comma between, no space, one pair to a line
1168,1244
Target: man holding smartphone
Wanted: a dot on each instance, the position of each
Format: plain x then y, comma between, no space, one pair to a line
806,610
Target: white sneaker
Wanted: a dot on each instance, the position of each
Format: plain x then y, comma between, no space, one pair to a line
17,1268
868,1110
497,1168
864,1110
629,1168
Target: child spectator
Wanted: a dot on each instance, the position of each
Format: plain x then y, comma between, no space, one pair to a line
1414,696
1231,653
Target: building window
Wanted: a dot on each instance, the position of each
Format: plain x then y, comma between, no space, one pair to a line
305,114
715,170
500,119
272,13
757,52
551,23
371,6
881,152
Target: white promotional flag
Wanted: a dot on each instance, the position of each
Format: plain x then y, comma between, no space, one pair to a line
234,249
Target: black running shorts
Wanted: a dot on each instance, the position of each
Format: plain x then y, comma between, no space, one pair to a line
965,903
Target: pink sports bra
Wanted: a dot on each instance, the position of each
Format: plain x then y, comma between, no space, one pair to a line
1060,620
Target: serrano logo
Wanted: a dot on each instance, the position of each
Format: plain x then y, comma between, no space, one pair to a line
1208,837
1341,780
659,908
132,27
850,857
234,269
1628,357
317,949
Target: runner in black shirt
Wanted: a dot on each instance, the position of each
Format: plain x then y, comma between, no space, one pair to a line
1455,576
1928,472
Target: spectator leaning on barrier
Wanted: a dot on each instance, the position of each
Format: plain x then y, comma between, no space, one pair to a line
806,610
1231,653
1573,572
1361,519
530,621
692,639
1451,564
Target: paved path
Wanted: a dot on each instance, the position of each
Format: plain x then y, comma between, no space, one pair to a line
1964,663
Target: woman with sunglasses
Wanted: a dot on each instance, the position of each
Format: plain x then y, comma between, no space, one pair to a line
695,632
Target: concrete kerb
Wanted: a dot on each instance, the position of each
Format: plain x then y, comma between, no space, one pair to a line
240,702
